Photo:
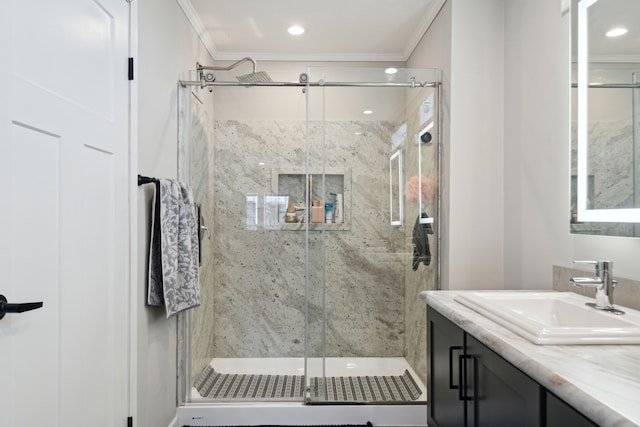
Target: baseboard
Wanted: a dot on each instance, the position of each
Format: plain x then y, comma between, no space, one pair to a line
291,413
174,422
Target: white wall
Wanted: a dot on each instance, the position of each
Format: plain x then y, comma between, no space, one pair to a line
168,47
537,155
477,195
466,42
537,141
506,165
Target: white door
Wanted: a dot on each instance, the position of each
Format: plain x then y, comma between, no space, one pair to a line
64,228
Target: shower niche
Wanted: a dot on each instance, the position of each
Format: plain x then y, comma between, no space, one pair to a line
291,186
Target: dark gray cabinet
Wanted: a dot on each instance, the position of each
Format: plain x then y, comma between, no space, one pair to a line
559,414
470,385
445,347
498,394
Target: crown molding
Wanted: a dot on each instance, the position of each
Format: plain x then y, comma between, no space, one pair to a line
312,57
423,27
198,26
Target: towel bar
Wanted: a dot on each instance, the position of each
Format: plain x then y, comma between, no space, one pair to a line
145,180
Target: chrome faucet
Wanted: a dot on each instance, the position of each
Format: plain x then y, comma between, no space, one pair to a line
603,282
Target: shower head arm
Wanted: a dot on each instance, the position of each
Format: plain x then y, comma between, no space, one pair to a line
200,67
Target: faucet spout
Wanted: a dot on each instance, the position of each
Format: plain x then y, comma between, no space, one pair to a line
586,282
603,283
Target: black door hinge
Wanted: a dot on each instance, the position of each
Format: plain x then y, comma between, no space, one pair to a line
130,68
130,422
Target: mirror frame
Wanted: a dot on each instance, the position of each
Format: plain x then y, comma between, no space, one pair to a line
584,214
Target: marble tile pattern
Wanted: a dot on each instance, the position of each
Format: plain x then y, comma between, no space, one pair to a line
201,134
626,293
425,276
610,162
258,278
600,381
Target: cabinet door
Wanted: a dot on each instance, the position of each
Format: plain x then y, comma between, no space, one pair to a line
496,393
445,344
559,414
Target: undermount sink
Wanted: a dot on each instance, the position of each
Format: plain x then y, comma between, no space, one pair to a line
554,317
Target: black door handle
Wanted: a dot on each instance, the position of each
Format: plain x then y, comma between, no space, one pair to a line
5,307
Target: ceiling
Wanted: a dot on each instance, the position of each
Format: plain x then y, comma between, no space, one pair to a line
336,30
606,15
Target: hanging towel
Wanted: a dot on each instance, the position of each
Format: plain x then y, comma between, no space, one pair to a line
421,251
173,254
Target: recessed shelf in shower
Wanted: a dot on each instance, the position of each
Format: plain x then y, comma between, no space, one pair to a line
293,183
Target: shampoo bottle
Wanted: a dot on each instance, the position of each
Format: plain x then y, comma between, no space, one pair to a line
316,212
328,213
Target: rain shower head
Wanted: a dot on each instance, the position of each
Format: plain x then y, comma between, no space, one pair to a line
254,77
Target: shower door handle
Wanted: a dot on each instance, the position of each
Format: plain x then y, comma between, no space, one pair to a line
205,229
6,307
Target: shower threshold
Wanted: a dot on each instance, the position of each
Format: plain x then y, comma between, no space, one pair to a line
214,412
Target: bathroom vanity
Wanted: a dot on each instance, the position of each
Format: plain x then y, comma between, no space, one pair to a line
482,374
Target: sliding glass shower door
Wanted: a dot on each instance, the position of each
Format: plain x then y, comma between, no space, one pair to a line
372,174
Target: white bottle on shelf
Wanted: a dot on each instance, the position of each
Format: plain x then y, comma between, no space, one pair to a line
338,210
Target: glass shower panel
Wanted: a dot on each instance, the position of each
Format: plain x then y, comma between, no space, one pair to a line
247,169
316,229
635,138
362,300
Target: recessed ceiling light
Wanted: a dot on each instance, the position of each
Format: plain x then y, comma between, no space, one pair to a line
358,133
391,70
367,112
296,30
616,32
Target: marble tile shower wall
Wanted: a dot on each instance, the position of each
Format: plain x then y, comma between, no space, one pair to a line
424,277
258,278
201,134
611,154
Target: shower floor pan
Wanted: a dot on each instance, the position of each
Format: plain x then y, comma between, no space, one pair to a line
209,412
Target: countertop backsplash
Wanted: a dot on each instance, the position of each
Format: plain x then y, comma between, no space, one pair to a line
626,294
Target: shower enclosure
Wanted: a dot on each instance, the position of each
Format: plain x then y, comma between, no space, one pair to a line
321,198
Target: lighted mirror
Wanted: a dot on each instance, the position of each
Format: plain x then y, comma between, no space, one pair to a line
606,117
395,188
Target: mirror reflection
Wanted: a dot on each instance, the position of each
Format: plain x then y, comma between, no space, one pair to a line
605,160
395,190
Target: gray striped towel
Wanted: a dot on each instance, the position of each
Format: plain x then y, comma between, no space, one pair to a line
173,255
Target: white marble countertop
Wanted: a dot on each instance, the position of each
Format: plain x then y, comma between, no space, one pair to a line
600,381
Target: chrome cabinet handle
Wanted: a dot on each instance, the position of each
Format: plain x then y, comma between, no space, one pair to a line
6,307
